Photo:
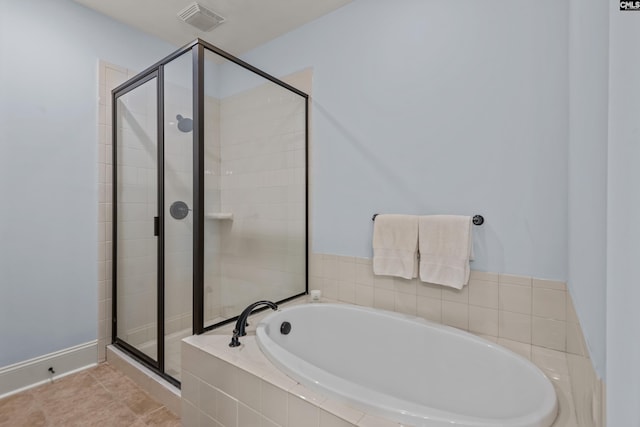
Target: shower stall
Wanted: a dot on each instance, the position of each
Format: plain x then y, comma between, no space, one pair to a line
209,199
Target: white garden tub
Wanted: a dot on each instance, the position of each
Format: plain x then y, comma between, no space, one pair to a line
405,368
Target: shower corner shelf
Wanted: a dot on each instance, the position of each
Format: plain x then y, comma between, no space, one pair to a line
219,215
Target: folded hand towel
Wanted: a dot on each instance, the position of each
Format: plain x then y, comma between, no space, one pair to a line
445,243
395,246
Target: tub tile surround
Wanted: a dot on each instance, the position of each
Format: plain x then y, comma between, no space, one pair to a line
240,387
225,386
519,312
518,308
532,317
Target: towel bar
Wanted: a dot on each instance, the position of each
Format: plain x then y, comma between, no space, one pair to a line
477,219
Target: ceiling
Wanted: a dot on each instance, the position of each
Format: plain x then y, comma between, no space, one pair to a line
249,23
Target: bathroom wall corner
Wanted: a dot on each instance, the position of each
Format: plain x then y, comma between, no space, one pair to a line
588,391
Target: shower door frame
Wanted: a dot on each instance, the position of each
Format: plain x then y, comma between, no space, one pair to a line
197,49
129,86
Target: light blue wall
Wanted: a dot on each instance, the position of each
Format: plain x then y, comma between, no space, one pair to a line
439,107
589,85
49,51
623,246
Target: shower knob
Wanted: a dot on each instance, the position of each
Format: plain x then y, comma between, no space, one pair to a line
179,210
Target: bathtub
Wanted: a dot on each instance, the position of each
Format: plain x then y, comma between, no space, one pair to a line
406,369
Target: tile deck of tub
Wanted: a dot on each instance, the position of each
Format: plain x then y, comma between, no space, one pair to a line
240,386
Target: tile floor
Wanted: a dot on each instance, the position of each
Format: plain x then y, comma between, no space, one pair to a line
100,396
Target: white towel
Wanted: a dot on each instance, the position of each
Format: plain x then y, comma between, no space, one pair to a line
445,244
395,246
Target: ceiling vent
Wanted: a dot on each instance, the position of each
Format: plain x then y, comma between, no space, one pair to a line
200,17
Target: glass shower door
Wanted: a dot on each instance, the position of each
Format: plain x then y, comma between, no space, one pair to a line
136,219
178,208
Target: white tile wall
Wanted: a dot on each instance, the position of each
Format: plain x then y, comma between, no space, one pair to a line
455,314
515,326
213,228
109,76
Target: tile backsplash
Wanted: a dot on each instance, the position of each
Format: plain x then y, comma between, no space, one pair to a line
518,308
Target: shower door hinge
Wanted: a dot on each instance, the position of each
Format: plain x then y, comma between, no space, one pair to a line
156,226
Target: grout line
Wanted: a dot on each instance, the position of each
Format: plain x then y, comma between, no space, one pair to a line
148,414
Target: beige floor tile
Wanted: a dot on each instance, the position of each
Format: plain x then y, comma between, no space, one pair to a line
162,418
31,419
105,372
101,397
140,403
16,406
112,415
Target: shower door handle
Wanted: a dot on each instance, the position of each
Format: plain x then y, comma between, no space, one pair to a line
156,226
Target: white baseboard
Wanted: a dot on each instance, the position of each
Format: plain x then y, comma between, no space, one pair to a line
34,372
